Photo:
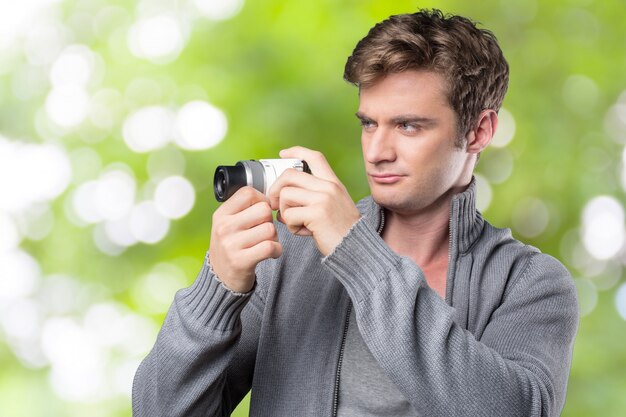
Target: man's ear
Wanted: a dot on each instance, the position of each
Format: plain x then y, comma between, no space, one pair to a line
479,137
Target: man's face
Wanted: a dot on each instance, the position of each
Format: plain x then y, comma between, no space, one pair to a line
408,141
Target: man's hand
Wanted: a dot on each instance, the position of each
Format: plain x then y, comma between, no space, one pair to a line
317,205
242,235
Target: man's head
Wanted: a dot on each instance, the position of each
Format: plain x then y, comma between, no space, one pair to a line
469,60
429,90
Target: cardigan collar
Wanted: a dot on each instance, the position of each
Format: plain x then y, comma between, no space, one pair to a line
466,222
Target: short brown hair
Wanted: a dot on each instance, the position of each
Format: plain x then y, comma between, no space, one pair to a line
469,58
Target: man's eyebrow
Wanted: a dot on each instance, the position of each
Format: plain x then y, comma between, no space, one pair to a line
404,118
411,118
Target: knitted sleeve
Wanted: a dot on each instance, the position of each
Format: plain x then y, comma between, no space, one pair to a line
202,363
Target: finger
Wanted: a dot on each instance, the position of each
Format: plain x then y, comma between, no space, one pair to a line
295,219
251,237
315,159
298,197
256,214
264,250
296,229
242,199
226,225
297,179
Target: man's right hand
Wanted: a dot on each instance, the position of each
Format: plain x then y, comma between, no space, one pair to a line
242,235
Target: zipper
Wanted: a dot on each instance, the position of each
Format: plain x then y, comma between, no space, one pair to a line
341,350
450,271
381,226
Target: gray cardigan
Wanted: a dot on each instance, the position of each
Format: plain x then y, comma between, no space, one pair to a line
499,345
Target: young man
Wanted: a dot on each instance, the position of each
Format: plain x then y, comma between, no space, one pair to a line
407,304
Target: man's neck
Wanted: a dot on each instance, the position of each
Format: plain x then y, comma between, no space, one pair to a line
425,240
423,236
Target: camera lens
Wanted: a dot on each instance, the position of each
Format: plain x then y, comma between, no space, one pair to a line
227,180
220,182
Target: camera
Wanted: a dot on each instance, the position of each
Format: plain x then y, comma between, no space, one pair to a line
259,174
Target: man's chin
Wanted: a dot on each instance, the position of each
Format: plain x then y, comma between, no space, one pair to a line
393,202
399,201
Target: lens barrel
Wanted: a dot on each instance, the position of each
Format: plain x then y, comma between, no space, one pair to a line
259,174
227,180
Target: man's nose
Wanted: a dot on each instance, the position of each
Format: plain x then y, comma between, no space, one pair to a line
379,147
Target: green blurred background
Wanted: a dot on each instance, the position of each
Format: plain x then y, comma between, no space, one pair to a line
114,115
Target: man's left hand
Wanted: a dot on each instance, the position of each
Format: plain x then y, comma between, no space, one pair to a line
317,205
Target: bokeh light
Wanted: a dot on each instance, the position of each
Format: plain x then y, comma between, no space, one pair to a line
148,129
20,274
84,202
158,38
505,130
115,194
615,120
75,65
67,105
44,41
77,361
17,18
197,126
147,224
484,194
104,243
10,237
31,173
200,125
603,227
21,322
118,232
219,9
496,165
174,197
109,197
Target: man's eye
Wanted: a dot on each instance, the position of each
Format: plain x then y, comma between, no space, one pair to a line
408,127
367,124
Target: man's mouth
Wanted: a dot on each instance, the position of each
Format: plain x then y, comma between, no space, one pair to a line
386,178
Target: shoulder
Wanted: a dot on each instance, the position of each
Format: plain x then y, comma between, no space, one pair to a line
528,269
